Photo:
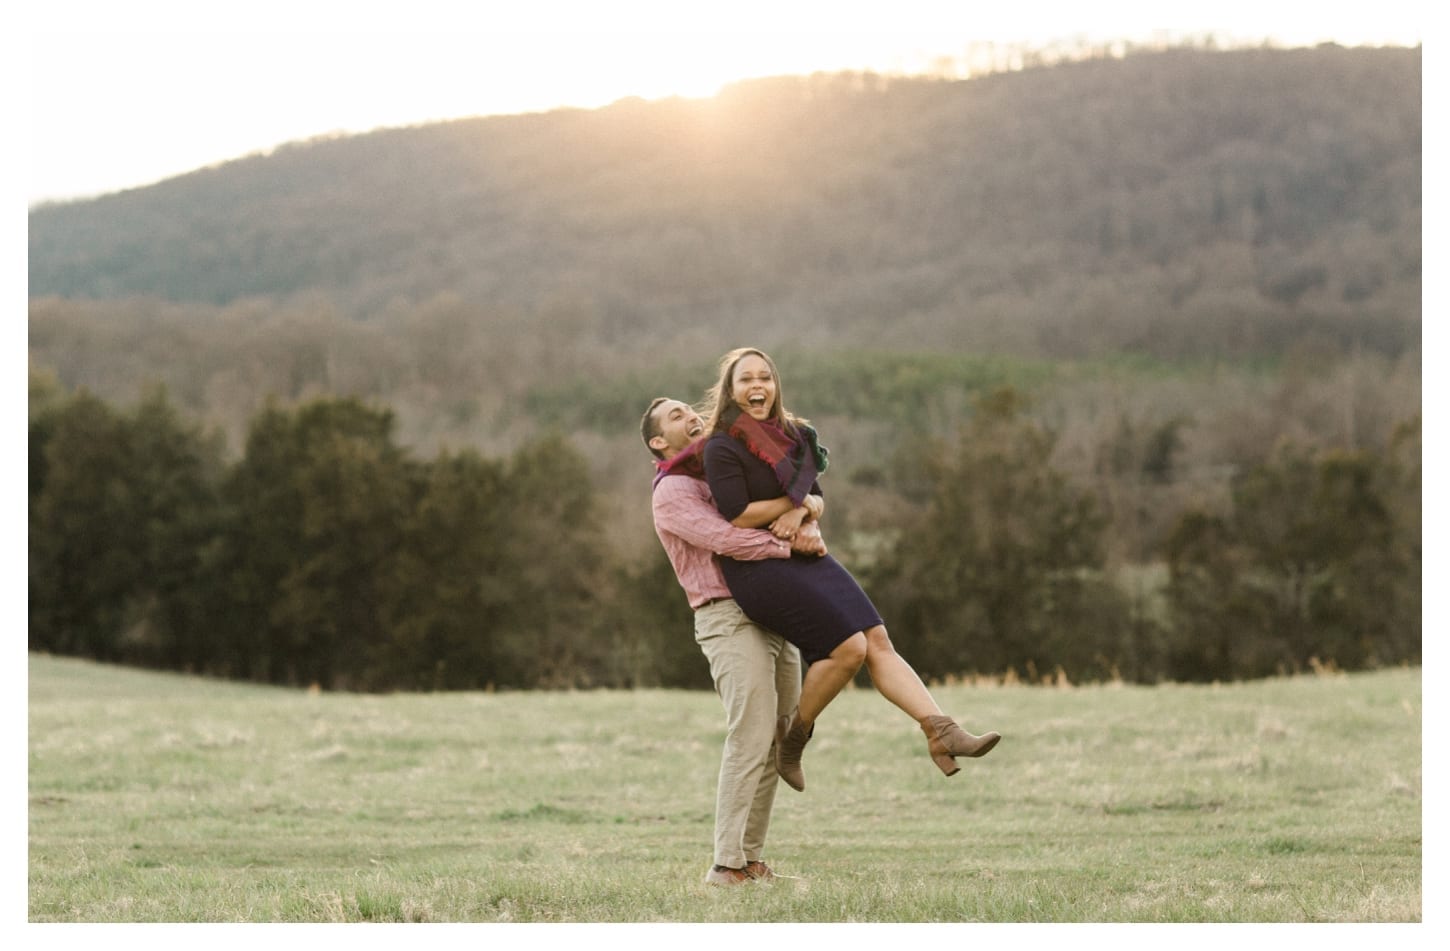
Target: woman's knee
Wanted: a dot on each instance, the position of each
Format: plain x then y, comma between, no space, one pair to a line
878,641
852,650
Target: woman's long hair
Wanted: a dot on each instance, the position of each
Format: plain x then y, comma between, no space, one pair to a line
718,406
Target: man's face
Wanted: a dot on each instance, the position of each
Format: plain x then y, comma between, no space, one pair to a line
678,424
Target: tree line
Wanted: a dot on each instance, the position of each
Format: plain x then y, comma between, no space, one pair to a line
326,553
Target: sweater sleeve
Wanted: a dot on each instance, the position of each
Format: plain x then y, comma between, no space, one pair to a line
726,476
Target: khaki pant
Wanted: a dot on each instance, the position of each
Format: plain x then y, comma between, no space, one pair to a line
758,677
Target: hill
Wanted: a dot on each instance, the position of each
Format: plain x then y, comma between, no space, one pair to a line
1175,202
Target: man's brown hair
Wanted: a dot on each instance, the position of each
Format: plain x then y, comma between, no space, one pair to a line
649,428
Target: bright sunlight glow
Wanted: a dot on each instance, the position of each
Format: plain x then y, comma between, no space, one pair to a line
125,95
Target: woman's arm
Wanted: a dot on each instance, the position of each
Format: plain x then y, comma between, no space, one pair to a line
726,476
763,513
790,524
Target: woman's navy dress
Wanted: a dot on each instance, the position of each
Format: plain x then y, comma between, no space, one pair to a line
811,601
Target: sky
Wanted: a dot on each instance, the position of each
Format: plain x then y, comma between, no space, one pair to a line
123,95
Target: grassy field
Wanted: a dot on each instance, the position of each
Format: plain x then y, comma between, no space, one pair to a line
156,797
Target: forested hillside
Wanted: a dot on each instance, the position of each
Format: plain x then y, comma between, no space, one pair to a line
1176,291
1064,210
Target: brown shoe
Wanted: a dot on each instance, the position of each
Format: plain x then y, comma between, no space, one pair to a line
723,875
759,871
945,740
790,741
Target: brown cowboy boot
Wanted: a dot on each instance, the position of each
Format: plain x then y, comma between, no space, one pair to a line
790,742
945,740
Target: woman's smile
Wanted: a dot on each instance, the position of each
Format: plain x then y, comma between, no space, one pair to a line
753,387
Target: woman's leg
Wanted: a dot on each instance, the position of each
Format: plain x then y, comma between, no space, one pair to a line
895,678
898,682
826,678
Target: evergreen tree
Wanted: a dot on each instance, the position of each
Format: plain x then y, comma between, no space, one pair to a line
1001,569
174,470
553,627
452,582
84,524
316,516
1310,564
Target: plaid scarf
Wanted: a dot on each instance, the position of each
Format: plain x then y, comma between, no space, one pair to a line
796,457
689,461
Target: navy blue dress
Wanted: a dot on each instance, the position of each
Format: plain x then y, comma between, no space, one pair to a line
811,601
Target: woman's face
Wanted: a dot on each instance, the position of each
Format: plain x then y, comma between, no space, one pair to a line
752,386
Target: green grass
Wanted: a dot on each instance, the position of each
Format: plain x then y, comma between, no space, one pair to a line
157,797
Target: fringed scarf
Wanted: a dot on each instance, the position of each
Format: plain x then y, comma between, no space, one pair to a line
689,461
797,460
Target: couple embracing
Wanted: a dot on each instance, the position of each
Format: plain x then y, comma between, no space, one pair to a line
736,505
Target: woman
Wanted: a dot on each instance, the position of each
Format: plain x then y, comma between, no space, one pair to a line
756,450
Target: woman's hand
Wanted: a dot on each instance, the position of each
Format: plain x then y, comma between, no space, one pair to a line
815,507
790,523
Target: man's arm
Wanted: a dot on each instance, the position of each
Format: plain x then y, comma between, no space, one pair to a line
684,510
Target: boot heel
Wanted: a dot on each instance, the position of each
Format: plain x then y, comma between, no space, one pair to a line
945,762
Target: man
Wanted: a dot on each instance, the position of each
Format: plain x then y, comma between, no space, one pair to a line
757,673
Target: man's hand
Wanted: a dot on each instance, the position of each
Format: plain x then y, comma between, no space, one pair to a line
808,541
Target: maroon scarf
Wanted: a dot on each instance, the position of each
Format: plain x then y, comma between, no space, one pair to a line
797,458
689,461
